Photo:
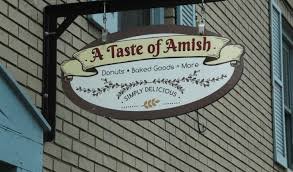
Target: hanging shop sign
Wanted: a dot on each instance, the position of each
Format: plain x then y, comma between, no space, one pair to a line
152,72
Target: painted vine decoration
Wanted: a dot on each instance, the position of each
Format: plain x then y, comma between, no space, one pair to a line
175,83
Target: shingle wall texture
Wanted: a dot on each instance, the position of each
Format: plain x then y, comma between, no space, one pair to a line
239,125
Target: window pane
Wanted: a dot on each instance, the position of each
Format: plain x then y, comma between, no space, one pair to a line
289,134
133,18
7,168
286,54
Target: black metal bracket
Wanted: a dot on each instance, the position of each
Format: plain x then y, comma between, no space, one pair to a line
52,33
65,24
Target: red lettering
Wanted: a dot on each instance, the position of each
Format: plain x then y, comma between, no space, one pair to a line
111,48
206,44
158,48
120,52
132,49
198,44
170,45
193,44
138,50
96,54
127,51
151,48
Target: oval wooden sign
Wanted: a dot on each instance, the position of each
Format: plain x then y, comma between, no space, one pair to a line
152,72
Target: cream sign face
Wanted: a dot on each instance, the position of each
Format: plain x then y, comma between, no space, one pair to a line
153,72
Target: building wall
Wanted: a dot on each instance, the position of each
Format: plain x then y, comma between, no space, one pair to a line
239,125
